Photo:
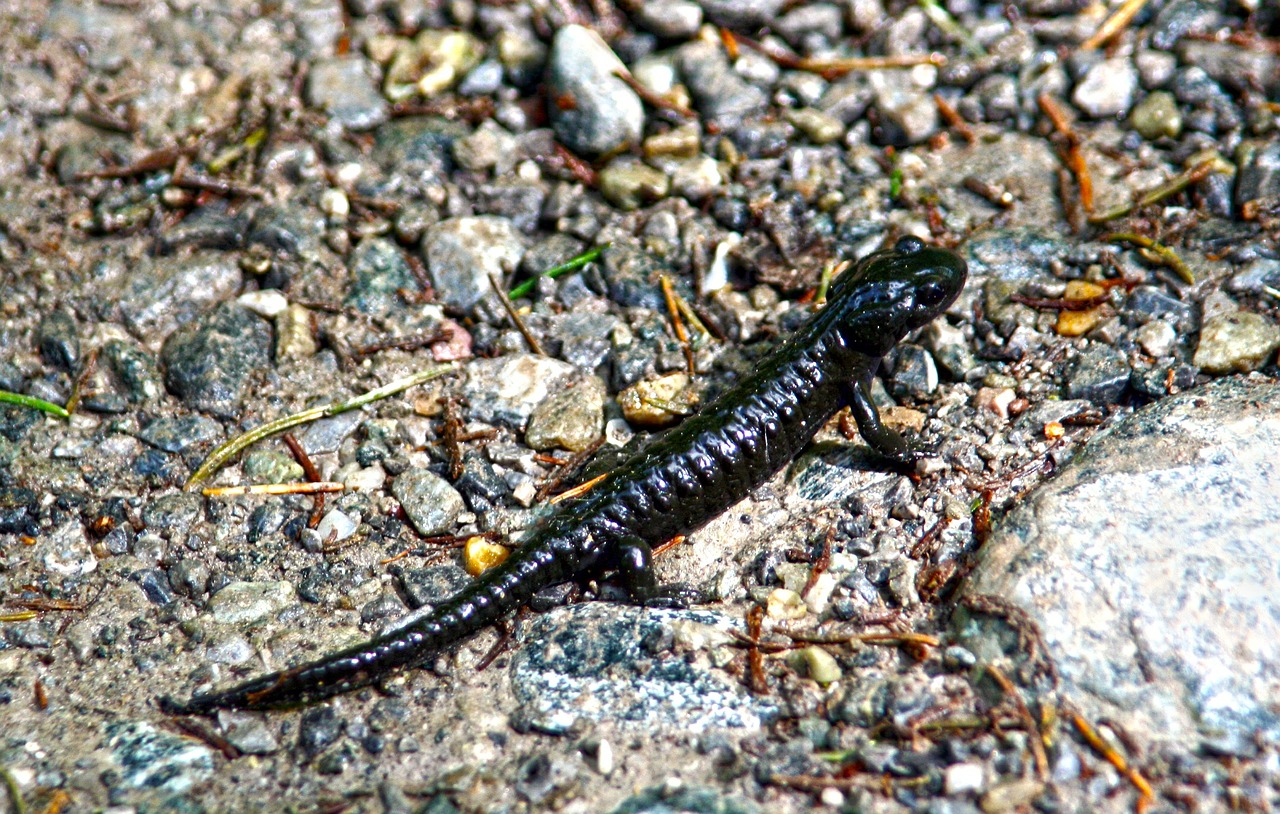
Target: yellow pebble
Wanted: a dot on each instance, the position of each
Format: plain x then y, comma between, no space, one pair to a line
479,555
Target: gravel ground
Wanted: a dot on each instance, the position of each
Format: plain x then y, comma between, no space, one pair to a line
211,219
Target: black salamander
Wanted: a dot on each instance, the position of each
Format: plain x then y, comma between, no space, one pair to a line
681,481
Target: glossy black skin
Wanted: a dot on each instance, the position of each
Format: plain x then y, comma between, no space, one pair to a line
681,481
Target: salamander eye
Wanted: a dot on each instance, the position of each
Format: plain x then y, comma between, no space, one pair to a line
931,293
908,245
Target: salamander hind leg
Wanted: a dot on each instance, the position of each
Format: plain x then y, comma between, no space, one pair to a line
634,566
884,441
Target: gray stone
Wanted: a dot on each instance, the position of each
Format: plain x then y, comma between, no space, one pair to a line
602,113
1236,342
1100,375
1150,567
461,253
571,419
176,433
209,362
59,339
159,295
908,113
347,89
430,502
506,389
578,662
720,94
672,19
248,603
1107,89
914,375
173,514
741,14
379,271
136,369
327,434
248,732
289,228
152,759
418,148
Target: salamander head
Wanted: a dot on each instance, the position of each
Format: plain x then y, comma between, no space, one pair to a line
892,292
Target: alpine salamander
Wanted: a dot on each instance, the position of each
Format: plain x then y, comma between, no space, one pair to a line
679,482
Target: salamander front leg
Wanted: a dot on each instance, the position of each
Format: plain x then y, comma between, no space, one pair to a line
634,565
883,440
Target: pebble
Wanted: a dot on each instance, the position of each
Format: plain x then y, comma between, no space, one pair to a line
741,14
489,147
157,295
506,390
1259,174
1100,375
818,126
430,502
670,19
346,88
208,363
136,369
571,419
271,466
147,757
247,732
462,252
629,183
59,339
602,114
247,603
579,661
914,375
336,525
1122,558
909,114
447,56
1107,89
820,665
963,778
176,433
1236,342
318,729
1156,338
1010,795
267,302
173,515
697,179
295,339
379,271
1157,116
658,402
720,94
229,648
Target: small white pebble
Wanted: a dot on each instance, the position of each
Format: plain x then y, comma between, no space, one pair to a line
617,432
335,526
604,758
349,173
525,492
963,778
265,303
335,204
832,797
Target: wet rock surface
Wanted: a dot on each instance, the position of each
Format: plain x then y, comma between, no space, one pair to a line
209,222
